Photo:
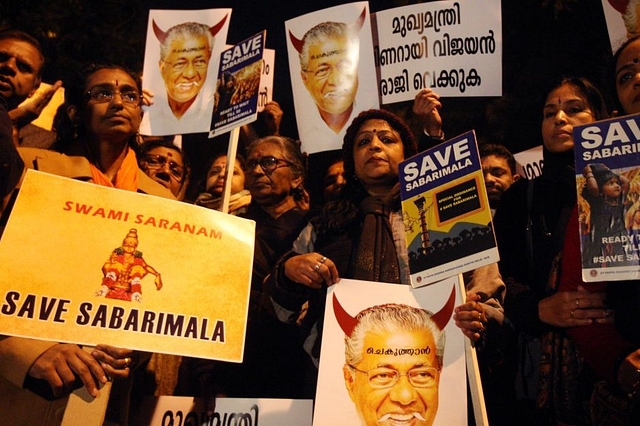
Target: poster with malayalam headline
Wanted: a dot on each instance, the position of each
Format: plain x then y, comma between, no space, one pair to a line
446,213
608,184
451,47
185,410
87,264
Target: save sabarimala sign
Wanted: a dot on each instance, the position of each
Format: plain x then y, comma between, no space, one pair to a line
86,264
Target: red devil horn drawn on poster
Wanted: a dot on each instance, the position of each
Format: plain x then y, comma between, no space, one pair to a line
619,5
216,28
160,35
356,26
297,43
442,317
348,323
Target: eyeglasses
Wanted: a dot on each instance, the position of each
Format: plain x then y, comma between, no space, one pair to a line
268,164
106,94
345,66
419,377
181,64
154,162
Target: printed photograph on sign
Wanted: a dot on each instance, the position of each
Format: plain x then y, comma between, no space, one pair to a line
382,341
333,76
180,69
237,89
607,155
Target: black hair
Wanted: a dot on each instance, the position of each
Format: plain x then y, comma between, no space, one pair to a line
27,38
612,82
499,151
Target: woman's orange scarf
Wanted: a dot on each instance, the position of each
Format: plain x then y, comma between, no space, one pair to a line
126,178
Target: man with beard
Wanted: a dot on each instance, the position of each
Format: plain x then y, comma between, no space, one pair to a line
499,169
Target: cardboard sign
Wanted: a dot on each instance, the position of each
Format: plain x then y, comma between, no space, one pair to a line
87,264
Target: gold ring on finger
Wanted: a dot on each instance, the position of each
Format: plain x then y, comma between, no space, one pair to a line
577,303
127,361
571,313
315,268
323,259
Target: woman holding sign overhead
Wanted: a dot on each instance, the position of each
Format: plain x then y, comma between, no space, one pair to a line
97,130
613,350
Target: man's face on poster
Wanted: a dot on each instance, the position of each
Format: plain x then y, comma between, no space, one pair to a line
331,75
184,69
391,389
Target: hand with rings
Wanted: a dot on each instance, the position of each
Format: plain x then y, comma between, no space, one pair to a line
312,270
116,362
470,317
574,308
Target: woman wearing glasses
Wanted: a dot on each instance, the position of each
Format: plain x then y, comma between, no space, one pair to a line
95,143
97,130
274,175
360,235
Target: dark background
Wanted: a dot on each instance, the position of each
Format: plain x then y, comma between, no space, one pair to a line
542,40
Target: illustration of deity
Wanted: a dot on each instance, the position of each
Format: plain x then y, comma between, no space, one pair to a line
124,270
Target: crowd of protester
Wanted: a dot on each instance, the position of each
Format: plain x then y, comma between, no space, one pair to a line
552,348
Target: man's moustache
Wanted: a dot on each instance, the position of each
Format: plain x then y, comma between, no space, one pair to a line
191,83
390,415
335,94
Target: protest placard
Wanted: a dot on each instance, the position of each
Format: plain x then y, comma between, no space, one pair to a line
236,99
180,69
333,76
454,48
368,325
103,265
446,211
608,184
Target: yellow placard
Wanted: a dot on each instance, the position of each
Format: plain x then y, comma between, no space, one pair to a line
70,247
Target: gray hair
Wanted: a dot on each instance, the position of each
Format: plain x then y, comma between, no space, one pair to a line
326,31
391,318
185,30
290,149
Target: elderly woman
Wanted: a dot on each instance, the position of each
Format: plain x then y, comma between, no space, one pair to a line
360,235
96,142
274,175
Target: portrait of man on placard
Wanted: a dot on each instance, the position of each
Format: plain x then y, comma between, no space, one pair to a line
186,56
328,63
392,359
389,342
